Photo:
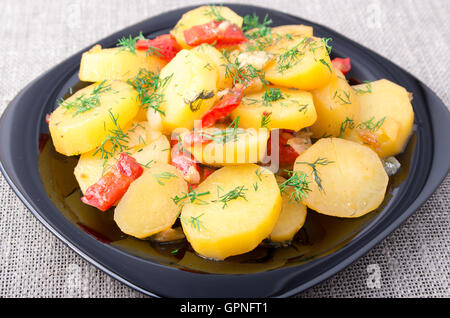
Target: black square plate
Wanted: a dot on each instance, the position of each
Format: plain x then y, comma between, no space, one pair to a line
426,163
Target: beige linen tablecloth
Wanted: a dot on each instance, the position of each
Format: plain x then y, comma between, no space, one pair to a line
36,35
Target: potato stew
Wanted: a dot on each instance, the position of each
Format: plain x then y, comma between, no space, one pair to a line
227,130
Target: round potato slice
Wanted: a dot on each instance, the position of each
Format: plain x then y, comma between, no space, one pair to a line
303,64
386,119
243,146
288,109
292,216
238,209
82,122
148,206
99,64
347,178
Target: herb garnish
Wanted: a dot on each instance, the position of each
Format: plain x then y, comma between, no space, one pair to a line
265,119
297,180
85,103
116,141
213,11
146,83
163,175
319,162
194,221
234,194
368,89
191,195
129,44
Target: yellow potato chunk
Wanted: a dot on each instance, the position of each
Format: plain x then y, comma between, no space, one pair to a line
277,108
215,59
302,63
240,210
202,15
336,103
292,31
347,179
99,64
386,117
146,146
189,92
229,147
82,122
292,216
147,207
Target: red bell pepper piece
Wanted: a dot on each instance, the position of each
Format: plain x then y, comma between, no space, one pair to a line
224,107
219,33
341,64
286,154
165,46
113,185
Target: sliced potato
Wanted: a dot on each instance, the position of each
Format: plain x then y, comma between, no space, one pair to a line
247,146
189,91
302,63
347,178
336,104
83,121
147,207
99,64
146,146
386,118
293,110
291,31
292,216
234,217
215,59
202,15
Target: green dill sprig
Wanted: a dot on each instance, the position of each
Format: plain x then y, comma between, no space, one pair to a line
241,74
84,103
222,136
272,95
367,90
251,23
326,64
146,83
234,194
371,125
195,222
129,43
116,141
192,195
163,176
348,123
297,181
258,174
342,97
319,162
290,57
327,44
265,119
213,11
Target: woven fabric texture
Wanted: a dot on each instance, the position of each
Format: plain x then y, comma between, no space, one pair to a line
414,261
